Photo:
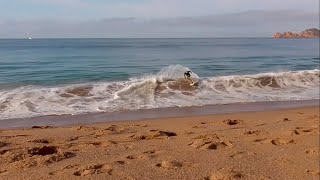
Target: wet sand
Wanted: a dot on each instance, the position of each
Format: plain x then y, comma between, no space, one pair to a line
143,114
270,144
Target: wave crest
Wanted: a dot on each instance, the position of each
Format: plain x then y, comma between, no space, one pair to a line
292,79
146,86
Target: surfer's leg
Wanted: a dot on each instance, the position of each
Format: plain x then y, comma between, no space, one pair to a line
191,81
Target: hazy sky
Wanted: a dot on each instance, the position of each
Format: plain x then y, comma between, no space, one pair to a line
155,18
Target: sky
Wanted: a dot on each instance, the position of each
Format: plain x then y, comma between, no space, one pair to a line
154,18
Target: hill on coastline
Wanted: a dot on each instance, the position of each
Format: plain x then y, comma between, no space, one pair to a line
309,33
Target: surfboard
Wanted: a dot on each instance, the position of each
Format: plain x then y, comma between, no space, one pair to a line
195,83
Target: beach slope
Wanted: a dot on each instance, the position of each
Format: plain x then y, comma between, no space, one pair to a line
281,144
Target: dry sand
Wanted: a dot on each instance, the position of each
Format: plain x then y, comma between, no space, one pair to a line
281,144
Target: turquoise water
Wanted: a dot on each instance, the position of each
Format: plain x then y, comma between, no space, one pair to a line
36,74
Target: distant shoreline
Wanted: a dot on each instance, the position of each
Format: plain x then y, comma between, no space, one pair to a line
306,34
75,38
35,38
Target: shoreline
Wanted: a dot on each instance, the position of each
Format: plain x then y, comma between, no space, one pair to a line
149,114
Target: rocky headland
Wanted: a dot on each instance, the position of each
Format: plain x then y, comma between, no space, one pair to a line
309,33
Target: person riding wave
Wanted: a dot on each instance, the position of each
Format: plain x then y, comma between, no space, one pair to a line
187,76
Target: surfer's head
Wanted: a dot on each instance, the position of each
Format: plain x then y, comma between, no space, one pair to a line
188,73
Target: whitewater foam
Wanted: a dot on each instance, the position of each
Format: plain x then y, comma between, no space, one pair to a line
163,89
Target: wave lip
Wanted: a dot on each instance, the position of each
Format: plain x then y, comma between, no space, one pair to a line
167,88
143,89
291,79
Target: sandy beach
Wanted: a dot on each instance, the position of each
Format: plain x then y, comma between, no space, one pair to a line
277,144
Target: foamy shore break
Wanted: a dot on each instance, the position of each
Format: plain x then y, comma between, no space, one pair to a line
281,142
163,89
149,114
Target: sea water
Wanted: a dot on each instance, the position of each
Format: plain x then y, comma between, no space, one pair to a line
74,76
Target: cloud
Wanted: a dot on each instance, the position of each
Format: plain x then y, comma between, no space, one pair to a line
63,3
89,9
245,24
182,8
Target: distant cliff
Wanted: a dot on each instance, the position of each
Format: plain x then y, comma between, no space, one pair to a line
309,33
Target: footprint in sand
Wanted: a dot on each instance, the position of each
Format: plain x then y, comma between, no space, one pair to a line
42,151
228,176
186,133
121,162
218,145
152,134
210,136
242,153
102,144
70,166
250,132
209,141
170,164
263,140
140,125
2,144
14,136
94,169
277,141
48,154
301,131
286,119
148,154
97,134
201,125
198,127
217,176
73,138
208,144
233,175
43,141
3,171
280,142
130,157
114,129
13,155
232,122
3,151
238,154
83,128
30,157
313,151
62,171
314,172
263,124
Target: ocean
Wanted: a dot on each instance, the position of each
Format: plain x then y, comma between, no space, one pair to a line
41,77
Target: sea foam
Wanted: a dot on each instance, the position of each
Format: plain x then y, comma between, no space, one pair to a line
166,88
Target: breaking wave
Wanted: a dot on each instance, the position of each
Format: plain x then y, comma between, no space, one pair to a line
166,88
